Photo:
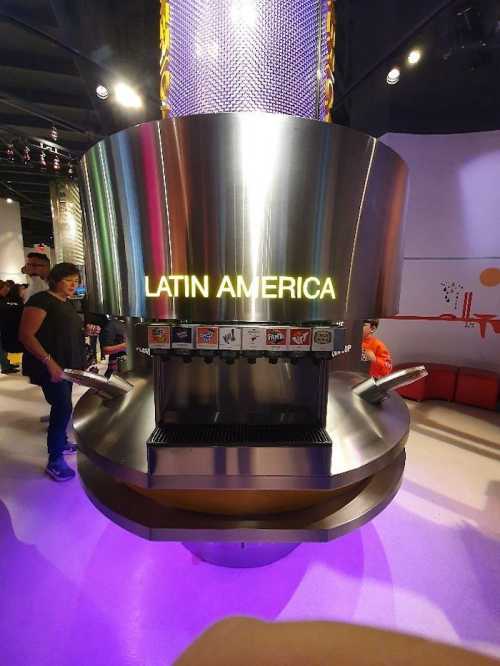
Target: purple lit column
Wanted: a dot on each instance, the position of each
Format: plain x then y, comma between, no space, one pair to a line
247,55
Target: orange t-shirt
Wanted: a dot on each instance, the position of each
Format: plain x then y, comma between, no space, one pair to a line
382,365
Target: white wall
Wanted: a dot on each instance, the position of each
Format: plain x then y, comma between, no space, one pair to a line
11,242
452,237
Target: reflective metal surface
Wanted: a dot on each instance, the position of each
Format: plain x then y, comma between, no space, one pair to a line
108,388
248,194
365,437
335,517
240,554
240,393
375,390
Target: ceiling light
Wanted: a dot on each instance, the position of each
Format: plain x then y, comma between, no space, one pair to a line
393,76
414,56
102,92
127,97
9,200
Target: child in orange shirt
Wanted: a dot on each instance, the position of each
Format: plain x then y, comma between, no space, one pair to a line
375,351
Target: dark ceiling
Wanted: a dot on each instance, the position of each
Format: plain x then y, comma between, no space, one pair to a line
53,53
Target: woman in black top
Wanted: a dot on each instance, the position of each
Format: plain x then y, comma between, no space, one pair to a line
52,333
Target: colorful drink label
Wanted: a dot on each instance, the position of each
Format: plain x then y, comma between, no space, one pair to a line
182,337
159,337
276,338
300,339
207,337
254,338
322,339
230,338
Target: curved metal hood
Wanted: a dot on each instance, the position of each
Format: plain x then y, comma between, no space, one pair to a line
243,194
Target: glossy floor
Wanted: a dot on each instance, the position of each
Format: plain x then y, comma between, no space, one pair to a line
76,589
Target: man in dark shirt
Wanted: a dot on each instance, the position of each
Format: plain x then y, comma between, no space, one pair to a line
113,339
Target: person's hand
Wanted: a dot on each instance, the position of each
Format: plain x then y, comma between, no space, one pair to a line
92,329
370,356
55,371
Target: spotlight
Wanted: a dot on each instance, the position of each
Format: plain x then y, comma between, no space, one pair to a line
393,76
414,56
102,92
127,97
9,200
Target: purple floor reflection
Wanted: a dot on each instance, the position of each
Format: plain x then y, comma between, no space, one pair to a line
76,589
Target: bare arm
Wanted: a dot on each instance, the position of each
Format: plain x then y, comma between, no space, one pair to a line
31,321
114,349
246,642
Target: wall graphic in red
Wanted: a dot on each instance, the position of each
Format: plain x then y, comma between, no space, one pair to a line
490,277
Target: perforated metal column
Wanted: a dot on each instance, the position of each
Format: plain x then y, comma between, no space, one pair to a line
247,55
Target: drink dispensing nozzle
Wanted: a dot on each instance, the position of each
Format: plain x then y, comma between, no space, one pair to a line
207,342
253,342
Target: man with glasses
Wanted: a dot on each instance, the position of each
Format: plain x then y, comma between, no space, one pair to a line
38,268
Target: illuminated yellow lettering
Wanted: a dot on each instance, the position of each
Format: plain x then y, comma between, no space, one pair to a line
149,293
176,279
243,290
299,287
197,286
328,289
163,286
286,284
307,293
226,286
261,286
269,286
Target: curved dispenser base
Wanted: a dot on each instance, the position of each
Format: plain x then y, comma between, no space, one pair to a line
334,517
240,555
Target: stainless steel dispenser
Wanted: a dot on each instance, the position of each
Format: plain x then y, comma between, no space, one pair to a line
240,241
240,231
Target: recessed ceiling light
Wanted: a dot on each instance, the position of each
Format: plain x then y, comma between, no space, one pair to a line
414,56
102,92
126,96
393,76
9,200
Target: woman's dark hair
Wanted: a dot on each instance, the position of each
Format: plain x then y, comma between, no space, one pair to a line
15,294
61,271
373,323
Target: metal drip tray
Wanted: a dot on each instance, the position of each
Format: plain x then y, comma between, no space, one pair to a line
238,435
